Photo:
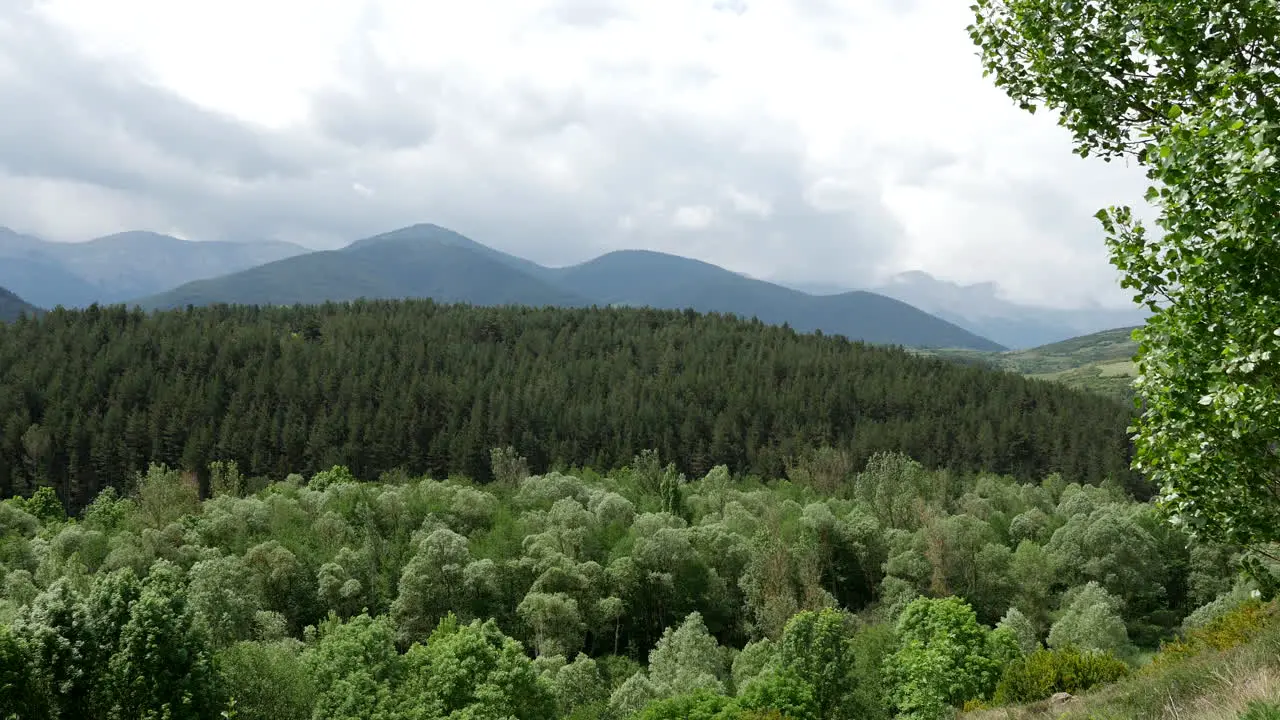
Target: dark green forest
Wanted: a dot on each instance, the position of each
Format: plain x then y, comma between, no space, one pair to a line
88,398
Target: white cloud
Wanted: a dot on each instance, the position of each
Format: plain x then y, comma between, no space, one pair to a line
693,217
803,139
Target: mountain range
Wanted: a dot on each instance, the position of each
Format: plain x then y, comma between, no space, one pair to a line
431,261
12,306
121,267
159,271
979,309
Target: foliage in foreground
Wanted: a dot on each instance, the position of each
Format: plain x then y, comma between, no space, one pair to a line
1190,89
1233,674
588,597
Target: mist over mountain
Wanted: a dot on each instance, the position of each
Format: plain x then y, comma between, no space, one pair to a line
979,309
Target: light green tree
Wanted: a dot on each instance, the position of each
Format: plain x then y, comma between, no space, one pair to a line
163,667
813,673
579,685
1021,628
223,599
431,585
268,681
355,667
943,659
687,658
1092,621
556,622
56,633
472,671
24,692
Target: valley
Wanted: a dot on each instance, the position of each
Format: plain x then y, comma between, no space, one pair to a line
1100,362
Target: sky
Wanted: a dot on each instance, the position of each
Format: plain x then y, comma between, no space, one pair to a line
808,142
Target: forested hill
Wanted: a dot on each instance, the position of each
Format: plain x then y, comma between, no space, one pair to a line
12,306
88,397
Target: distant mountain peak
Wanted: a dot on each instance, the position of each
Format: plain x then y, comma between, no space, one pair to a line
415,232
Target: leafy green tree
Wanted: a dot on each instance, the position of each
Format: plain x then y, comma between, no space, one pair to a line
164,665
55,630
279,578
633,695
225,479
355,668
555,620
687,658
1092,621
107,608
508,466
580,686
472,671
344,584
943,659
1034,574
751,661
1111,547
223,599
699,705
816,654
1188,90
1022,630
164,495
45,506
24,694
336,475
825,469
431,585
268,681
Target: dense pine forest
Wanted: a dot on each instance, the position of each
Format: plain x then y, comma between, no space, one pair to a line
894,591
89,398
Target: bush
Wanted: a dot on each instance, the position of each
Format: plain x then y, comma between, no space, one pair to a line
1223,633
1045,672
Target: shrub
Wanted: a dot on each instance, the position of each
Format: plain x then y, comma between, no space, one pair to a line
1223,633
1045,672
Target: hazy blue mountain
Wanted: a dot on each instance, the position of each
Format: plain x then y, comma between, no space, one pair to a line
120,267
642,277
979,309
12,306
430,261
417,262
445,236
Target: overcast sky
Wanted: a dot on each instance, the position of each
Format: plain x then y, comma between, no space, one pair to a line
793,140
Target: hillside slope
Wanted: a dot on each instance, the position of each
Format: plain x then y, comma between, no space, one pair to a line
378,385
427,261
1100,362
12,307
